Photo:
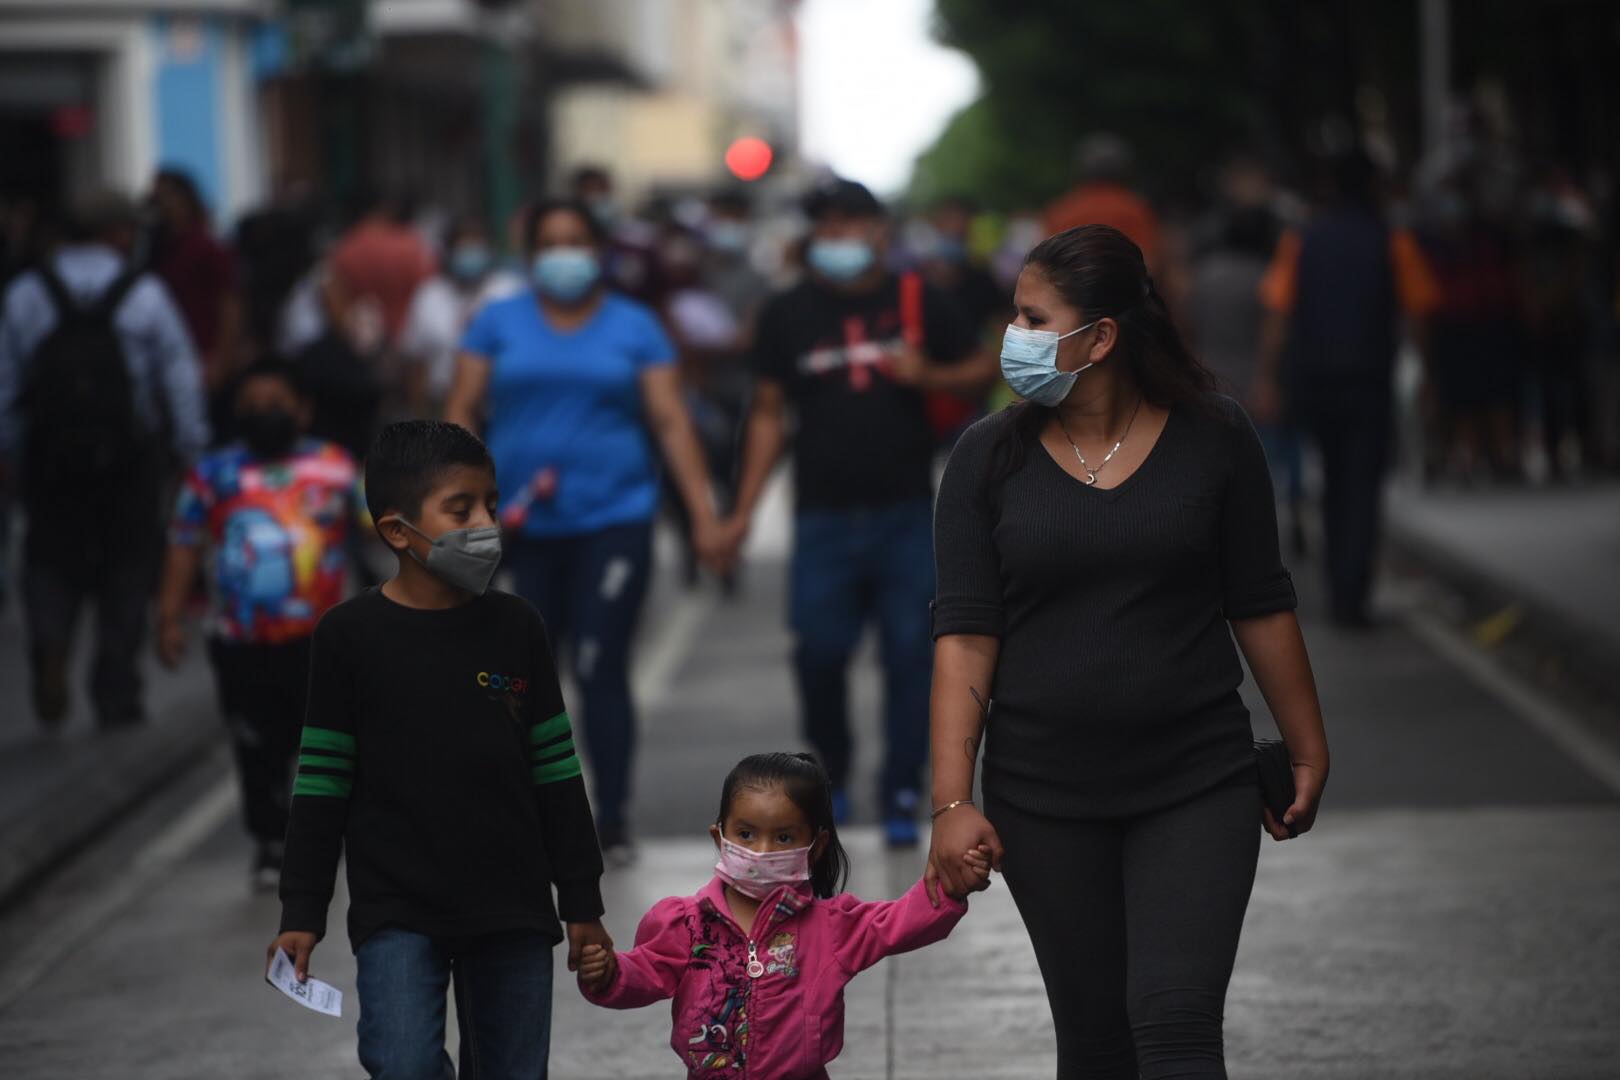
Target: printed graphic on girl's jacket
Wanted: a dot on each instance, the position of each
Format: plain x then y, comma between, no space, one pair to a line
768,1003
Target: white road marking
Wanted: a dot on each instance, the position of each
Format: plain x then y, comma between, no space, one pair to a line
80,921
668,647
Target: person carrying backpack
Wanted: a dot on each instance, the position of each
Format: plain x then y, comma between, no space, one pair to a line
101,402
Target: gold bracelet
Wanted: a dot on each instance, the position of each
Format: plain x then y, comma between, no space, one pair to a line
949,806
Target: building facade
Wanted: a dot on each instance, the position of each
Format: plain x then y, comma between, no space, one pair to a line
101,94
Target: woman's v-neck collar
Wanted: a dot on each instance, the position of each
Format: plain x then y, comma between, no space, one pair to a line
1171,418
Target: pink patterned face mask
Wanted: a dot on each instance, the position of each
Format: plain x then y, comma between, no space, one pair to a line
757,874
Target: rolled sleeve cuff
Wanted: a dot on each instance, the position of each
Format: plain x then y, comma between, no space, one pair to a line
967,617
1267,597
579,901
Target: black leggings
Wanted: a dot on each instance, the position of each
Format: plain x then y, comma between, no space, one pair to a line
1135,925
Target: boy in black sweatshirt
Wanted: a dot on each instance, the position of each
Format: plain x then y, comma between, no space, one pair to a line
437,751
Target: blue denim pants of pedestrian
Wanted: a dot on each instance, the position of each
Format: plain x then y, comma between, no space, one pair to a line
851,566
590,589
503,1005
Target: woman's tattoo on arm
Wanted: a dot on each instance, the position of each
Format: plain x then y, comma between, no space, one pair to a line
970,745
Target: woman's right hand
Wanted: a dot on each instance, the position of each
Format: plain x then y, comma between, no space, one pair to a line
957,832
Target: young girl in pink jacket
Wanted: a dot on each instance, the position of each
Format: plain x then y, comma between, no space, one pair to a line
757,962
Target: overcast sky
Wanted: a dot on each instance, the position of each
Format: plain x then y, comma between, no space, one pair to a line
877,89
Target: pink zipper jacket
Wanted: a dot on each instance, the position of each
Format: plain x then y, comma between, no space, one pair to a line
768,1005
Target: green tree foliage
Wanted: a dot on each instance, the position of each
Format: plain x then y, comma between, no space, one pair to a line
1167,74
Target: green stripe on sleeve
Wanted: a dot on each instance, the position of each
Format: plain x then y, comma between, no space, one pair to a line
556,771
564,748
550,729
321,762
335,786
316,738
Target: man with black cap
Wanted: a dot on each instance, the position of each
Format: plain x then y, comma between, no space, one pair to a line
856,350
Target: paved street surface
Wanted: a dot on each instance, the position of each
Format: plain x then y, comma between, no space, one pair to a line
1557,547
1452,916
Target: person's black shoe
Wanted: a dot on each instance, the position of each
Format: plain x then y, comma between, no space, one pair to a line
266,874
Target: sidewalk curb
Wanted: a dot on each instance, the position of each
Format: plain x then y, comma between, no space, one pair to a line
87,798
1559,652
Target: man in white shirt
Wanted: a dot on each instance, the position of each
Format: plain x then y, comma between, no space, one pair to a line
443,306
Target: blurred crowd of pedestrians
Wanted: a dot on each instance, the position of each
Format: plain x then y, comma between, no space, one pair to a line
623,362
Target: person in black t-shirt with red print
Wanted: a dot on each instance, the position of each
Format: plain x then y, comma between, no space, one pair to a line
856,350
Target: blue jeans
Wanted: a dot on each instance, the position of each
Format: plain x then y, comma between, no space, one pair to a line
590,589
851,565
503,1005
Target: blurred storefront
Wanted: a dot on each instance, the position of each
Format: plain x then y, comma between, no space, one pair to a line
704,73
457,103
101,94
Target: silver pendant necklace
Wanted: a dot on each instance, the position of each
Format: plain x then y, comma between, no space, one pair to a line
1091,474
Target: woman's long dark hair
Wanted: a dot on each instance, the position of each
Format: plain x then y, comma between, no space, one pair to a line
1101,273
805,782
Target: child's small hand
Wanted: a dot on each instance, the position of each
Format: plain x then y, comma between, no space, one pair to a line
597,967
978,861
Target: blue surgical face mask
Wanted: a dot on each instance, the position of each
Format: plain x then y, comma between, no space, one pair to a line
470,262
728,237
841,261
1029,364
566,273
951,249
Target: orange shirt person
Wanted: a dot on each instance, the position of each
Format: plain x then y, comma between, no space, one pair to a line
1104,162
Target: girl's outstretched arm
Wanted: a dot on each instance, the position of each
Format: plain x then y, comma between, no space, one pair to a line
870,930
652,970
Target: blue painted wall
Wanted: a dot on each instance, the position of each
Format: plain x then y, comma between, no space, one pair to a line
187,93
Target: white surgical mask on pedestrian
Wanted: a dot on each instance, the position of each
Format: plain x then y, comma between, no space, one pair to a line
1029,364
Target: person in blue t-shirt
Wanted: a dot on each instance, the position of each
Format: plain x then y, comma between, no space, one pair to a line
573,385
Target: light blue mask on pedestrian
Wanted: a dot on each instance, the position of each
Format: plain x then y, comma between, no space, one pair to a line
566,273
841,260
470,262
1029,364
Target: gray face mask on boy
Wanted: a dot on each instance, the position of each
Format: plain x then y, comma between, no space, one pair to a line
465,558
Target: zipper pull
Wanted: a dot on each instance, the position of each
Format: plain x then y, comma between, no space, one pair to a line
755,968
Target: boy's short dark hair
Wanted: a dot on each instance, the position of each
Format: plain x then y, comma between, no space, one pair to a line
272,367
847,198
407,458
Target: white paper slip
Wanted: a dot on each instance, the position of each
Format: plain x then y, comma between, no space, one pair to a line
311,993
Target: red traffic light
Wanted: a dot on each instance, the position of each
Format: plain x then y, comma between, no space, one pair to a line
749,158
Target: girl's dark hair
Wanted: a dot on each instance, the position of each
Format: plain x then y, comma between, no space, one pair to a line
805,782
1101,273
546,207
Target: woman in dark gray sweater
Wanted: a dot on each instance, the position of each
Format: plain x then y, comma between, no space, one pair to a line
1098,549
